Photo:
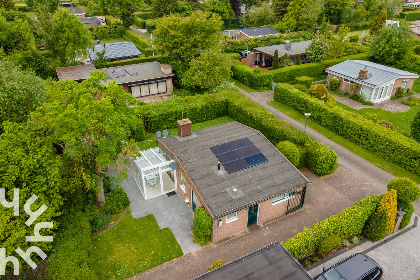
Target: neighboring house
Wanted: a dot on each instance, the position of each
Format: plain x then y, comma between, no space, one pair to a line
91,21
77,11
375,82
66,3
115,51
415,27
252,32
238,176
389,22
412,3
141,80
270,262
263,56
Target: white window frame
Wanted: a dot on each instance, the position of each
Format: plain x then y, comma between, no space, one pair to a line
183,185
231,219
282,197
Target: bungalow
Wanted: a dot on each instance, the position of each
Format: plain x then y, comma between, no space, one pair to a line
375,82
141,80
263,56
91,21
115,51
231,170
252,32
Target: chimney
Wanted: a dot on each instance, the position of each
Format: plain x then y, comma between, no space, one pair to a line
363,74
184,127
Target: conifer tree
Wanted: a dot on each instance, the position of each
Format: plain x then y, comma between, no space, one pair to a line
378,23
275,60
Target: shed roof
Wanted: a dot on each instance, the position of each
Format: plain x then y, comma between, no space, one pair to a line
77,73
76,10
295,48
88,20
118,50
254,184
270,262
259,31
380,74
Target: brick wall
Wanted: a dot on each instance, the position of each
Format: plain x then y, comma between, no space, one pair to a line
398,83
268,211
227,230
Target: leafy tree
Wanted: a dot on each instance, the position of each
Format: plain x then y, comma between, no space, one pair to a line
415,127
20,93
162,8
375,228
387,5
221,8
7,4
275,64
407,189
62,27
285,60
338,43
260,15
236,7
378,23
50,5
181,38
280,8
16,35
318,48
298,59
301,15
92,124
101,60
335,10
208,70
393,45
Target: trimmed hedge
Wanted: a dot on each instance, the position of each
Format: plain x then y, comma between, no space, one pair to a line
229,102
375,228
407,189
304,80
389,203
203,226
301,87
290,151
144,15
133,61
390,145
408,209
330,243
411,15
349,222
321,159
258,79
140,42
108,31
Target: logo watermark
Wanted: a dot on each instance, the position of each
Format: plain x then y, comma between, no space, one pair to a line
26,256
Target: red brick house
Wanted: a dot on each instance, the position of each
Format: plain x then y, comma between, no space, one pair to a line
234,173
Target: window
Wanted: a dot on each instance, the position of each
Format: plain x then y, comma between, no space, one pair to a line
282,197
183,184
232,217
403,84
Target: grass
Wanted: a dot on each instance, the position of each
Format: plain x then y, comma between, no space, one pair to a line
241,85
150,141
369,156
30,15
131,247
358,32
416,85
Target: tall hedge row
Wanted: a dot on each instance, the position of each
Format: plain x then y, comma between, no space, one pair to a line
133,61
229,102
140,42
349,222
411,15
108,31
258,79
383,142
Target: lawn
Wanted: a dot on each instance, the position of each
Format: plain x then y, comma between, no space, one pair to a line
416,85
374,159
133,246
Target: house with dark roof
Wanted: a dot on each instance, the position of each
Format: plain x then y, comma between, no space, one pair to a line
263,56
77,11
115,51
375,82
252,32
231,170
270,262
91,21
141,80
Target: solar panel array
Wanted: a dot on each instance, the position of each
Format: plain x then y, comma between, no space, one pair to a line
238,154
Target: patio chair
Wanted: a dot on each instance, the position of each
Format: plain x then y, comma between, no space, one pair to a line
158,135
165,133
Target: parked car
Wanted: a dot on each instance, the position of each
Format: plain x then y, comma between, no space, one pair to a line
356,267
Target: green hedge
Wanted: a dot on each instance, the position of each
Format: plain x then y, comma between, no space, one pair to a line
349,222
390,145
140,42
304,80
203,226
229,102
408,209
144,15
290,151
258,79
133,61
411,16
108,31
330,243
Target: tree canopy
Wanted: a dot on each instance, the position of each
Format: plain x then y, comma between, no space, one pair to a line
221,8
378,23
319,48
261,15
302,15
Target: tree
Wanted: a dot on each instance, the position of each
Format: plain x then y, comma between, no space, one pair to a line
236,7
208,70
21,92
50,5
7,4
302,15
260,15
335,10
338,43
407,189
101,60
387,5
275,64
221,8
285,61
63,35
375,228
393,45
415,127
92,124
378,23
181,38
162,8
16,35
280,8
318,48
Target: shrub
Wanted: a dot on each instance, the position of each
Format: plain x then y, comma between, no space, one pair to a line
389,203
144,15
203,226
290,151
301,87
328,244
335,83
399,93
319,91
355,239
354,38
111,183
411,101
407,189
375,228
345,243
115,202
408,209
417,50
415,127
101,223
216,264
304,80
321,160
306,263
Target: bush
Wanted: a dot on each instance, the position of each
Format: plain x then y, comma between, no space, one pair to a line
301,87
321,160
411,101
203,226
144,15
354,38
335,83
108,31
304,80
415,127
399,93
111,183
375,228
345,243
115,202
408,209
101,223
290,151
216,264
319,91
389,203
407,189
328,244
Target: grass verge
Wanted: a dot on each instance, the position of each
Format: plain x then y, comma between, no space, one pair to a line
241,85
133,246
367,155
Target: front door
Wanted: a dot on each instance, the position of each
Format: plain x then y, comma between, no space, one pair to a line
193,203
252,215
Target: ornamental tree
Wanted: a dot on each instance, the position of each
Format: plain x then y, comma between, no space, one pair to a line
318,49
407,189
375,228
378,23
389,203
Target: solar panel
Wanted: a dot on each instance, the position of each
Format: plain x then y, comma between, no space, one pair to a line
228,157
236,165
222,148
240,143
255,159
248,151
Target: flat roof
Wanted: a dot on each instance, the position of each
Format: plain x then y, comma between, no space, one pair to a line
253,184
296,48
270,262
118,50
77,73
259,31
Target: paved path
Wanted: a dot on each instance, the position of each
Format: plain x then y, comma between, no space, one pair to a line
138,31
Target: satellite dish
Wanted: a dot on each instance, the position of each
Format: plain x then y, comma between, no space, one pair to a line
369,75
173,165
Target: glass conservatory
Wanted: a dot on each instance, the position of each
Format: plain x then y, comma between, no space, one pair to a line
153,173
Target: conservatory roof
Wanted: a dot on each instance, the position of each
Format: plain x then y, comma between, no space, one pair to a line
152,158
